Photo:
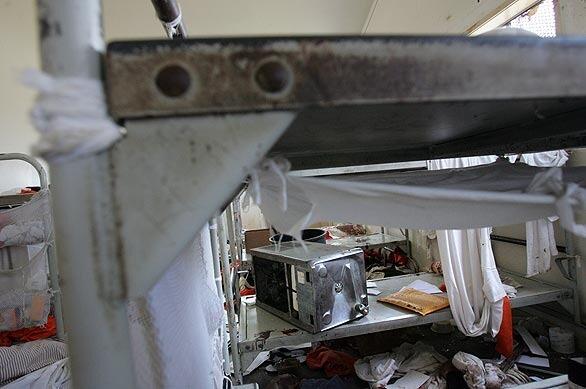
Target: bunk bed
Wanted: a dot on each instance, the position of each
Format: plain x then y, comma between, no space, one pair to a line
342,101
199,114
32,349
13,202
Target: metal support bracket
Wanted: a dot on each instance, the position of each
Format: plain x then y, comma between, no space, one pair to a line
169,176
567,266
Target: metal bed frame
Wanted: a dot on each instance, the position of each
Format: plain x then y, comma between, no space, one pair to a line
51,255
200,113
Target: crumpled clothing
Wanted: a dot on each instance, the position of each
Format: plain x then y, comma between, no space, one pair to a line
494,376
473,369
7,338
511,291
436,381
22,234
380,368
515,377
377,369
332,362
419,357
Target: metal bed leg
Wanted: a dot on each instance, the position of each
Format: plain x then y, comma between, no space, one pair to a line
234,254
92,280
218,279
229,300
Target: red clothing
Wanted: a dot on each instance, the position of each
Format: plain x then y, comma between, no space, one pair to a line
7,338
333,362
504,339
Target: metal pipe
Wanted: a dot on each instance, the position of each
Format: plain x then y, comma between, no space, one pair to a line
232,329
44,183
169,13
218,279
577,276
238,226
409,250
520,242
234,256
92,278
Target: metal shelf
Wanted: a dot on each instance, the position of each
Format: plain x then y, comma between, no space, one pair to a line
371,241
14,200
261,330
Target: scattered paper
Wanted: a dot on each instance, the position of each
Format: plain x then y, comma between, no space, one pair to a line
533,361
530,341
370,284
424,287
263,356
373,292
413,379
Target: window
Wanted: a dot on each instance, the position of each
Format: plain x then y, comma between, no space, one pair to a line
539,19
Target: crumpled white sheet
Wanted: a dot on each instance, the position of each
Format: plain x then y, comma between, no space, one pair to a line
54,376
477,374
497,194
22,234
540,237
29,223
380,368
473,369
377,369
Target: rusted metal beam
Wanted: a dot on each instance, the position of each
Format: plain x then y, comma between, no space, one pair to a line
365,100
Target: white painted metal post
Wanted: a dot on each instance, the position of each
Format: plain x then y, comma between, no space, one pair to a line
238,227
218,279
234,254
229,299
92,280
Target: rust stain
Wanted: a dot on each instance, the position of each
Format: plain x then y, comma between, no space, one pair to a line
321,75
263,335
120,275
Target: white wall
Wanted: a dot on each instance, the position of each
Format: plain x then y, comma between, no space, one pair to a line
430,17
18,50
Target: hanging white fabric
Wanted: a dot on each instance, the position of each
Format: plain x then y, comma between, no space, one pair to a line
71,117
174,328
493,195
541,245
472,281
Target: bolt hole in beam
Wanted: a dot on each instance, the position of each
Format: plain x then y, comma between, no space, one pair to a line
173,80
273,77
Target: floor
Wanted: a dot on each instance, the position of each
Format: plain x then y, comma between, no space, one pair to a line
448,345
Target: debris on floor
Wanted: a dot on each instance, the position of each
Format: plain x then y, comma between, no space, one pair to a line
393,360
